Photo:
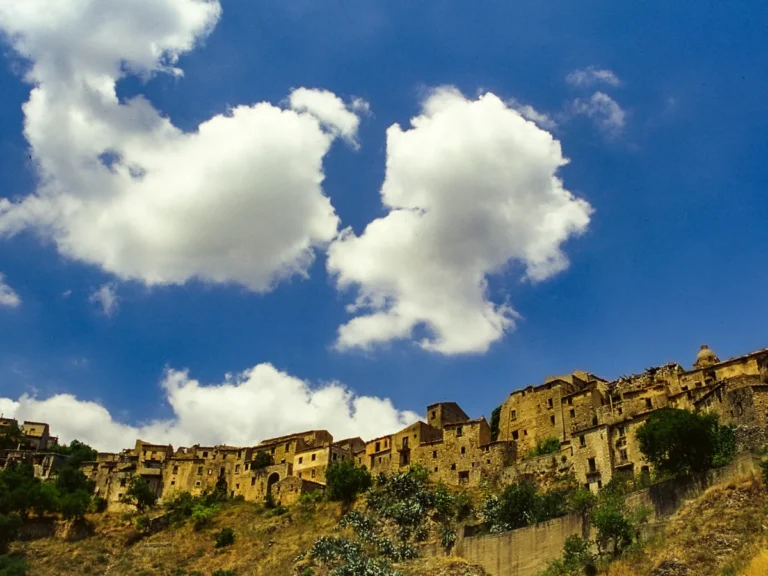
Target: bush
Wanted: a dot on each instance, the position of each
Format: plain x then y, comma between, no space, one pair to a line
74,505
614,530
679,442
276,511
226,537
310,498
142,523
576,560
98,504
9,530
202,515
261,460
344,481
544,447
12,566
581,501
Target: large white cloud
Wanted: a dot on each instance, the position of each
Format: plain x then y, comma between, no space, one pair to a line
237,200
470,187
8,296
260,403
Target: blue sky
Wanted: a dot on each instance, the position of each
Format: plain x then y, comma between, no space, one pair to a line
660,111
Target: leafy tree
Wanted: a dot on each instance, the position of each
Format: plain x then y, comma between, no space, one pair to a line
261,460
581,501
344,481
74,505
140,494
11,436
77,452
514,508
70,479
614,530
725,446
20,491
11,565
9,529
680,442
495,421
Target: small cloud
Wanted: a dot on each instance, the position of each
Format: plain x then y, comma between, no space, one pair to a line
8,296
66,294
106,297
604,110
592,75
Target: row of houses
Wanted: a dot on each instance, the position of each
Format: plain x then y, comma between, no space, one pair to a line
593,420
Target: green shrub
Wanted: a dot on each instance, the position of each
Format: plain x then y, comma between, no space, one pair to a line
544,447
344,481
261,460
142,523
202,515
310,498
139,493
98,504
276,511
9,530
11,565
614,530
225,537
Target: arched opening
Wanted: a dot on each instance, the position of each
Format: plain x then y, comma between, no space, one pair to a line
273,478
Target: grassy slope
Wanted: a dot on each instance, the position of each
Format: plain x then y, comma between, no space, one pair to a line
263,547
722,533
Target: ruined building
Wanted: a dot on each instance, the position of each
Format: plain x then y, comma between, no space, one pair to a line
594,421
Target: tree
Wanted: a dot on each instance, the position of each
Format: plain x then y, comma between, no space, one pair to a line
680,442
344,481
77,452
495,421
140,494
20,491
74,505
69,479
261,460
614,530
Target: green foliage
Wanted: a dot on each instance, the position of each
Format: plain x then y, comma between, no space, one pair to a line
11,436
261,460
544,447
614,530
346,557
522,504
142,523
269,500
495,421
680,442
309,499
139,494
9,529
98,505
74,505
21,492
764,467
225,537
12,566
276,511
576,560
69,480
77,453
202,515
581,501
344,481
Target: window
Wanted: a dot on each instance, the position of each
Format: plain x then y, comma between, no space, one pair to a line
282,461
435,468
173,482
573,413
301,459
405,442
434,453
237,468
197,483
592,464
237,486
488,461
272,451
287,446
463,450
205,454
525,432
594,420
299,474
334,456
378,446
515,435
620,410
122,482
550,403
453,466
459,431
582,440
552,420
622,431
379,459
313,473
623,454
313,457
199,470
434,414
648,403
570,401
513,415
463,476
253,481
175,469
599,484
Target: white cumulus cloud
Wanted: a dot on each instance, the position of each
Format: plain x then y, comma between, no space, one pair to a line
106,297
259,403
592,75
239,199
8,296
604,111
471,187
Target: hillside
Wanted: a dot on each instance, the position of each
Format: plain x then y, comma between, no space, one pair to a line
724,532
264,546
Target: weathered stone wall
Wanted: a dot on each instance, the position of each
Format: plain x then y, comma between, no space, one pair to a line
523,552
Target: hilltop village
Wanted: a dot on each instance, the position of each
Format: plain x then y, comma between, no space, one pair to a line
593,420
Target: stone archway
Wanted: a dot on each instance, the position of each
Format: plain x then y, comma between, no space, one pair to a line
273,478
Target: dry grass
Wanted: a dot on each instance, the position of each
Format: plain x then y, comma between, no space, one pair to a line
717,534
